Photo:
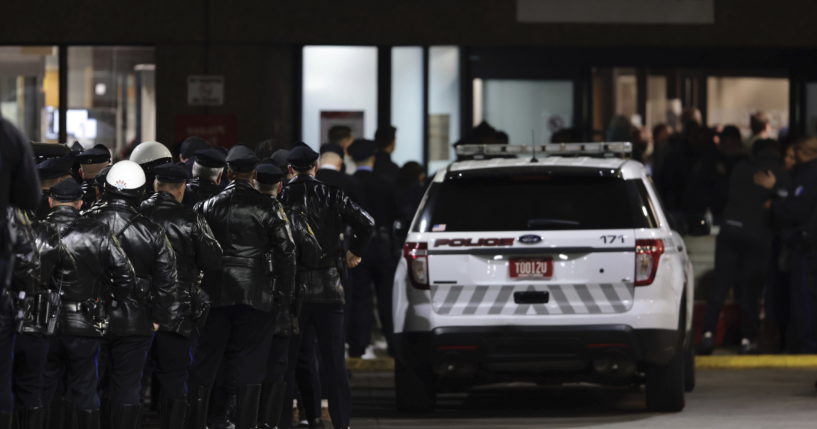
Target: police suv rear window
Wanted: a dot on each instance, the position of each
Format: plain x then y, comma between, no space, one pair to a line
492,200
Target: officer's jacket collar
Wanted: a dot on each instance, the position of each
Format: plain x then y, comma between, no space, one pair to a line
63,212
302,178
165,198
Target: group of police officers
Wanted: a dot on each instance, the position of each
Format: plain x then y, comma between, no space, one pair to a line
227,284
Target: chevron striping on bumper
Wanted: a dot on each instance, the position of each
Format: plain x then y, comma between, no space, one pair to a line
565,299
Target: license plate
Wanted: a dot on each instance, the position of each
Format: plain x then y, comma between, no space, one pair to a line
531,268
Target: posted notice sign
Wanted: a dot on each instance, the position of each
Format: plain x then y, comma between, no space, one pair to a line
205,90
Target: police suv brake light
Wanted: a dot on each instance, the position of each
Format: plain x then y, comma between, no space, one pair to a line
416,255
647,255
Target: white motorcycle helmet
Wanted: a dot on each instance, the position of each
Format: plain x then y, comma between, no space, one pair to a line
150,152
126,177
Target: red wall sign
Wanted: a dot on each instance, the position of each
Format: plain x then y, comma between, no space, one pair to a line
219,130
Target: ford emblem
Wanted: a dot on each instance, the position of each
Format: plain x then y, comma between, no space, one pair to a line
530,239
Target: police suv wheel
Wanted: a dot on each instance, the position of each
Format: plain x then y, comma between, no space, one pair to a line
414,390
666,384
689,368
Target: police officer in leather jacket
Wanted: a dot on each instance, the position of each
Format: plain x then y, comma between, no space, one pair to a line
31,344
151,304
328,211
207,169
268,181
90,270
196,249
249,226
91,162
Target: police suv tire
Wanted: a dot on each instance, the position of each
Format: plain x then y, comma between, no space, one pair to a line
666,384
413,390
689,368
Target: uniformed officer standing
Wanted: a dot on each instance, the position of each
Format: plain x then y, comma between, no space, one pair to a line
328,210
31,345
792,214
90,268
91,162
268,180
187,152
20,188
51,171
150,304
195,249
207,169
249,226
386,140
376,273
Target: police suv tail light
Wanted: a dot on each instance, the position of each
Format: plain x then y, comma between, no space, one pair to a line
416,255
647,255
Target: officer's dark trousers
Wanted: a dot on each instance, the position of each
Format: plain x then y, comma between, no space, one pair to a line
802,333
277,364
302,377
375,275
173,358
327,321
741,262
126,361
30,357
7,335
75,360
239,336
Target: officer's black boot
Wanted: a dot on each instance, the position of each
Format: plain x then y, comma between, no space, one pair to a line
197,412
272,404
87,419
31,418
172,414
6,420
249,397
125,416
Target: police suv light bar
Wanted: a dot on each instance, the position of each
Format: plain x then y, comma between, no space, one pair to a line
553,149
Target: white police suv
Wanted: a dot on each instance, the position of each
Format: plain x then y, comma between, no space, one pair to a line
549,264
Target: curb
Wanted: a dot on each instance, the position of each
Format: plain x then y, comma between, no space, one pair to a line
385,364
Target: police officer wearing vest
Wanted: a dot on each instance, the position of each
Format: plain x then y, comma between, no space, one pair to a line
91,162
376,273
91,269
195,249
207,169
328,210
250,227
151,304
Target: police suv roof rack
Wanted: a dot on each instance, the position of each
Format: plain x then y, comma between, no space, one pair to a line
604,150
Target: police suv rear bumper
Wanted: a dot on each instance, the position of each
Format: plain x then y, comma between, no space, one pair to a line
589,352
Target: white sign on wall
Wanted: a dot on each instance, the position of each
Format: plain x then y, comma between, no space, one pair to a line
205,90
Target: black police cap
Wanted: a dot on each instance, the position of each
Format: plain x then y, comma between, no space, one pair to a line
211,158
361,149
55,167
241,159
191,145
95,155
101,176
268,173
279,158
302,156
170,173
332,147
66,191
